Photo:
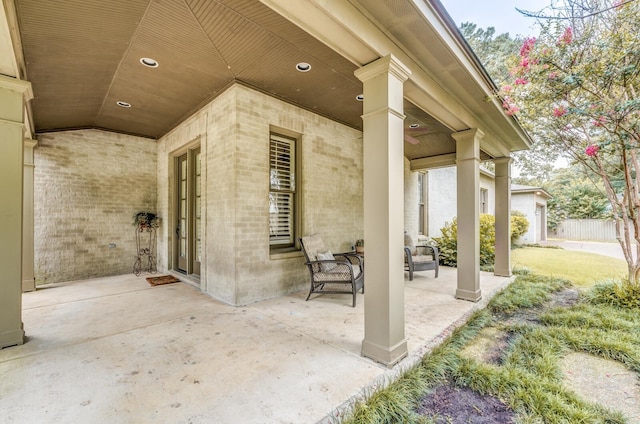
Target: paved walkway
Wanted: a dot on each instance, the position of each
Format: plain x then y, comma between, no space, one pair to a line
115,350
611,249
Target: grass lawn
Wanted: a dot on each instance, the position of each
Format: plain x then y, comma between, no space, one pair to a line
527,344
581,268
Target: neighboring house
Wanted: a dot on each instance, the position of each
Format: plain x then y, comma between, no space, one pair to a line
242,125
532,201
441,201
441,195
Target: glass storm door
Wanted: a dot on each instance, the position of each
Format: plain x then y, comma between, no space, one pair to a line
188,217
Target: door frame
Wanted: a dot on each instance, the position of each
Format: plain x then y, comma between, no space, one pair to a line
172,240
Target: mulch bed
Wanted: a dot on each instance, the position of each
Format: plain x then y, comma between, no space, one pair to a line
450,404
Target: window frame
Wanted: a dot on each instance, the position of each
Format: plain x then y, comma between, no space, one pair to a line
291,186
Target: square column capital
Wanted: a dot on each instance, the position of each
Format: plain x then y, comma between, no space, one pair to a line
503,167
468,144
468,135
503,160
20,86
385,65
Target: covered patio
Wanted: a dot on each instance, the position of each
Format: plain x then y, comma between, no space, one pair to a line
115,349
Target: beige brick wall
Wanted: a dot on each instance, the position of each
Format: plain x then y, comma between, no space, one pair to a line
234,132
88,184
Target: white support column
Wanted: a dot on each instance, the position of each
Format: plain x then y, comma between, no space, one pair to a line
13,95
28,276
468,190
384,332
502,265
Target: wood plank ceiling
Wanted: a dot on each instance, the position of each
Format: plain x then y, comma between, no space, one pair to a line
83,56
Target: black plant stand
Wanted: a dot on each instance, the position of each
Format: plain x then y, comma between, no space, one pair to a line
145,236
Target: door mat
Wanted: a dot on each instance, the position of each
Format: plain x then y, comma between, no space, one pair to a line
165,279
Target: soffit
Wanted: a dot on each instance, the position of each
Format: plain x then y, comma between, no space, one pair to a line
83,56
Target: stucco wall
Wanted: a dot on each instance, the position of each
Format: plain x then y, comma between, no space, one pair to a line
443,197
527,203
234,134
411,199
88,184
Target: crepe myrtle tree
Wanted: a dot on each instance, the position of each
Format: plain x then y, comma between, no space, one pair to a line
575,88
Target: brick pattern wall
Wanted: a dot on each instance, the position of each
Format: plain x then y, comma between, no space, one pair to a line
234,132
88,184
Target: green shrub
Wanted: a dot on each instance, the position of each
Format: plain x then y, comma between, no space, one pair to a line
624,294
487,240
448,242
519,225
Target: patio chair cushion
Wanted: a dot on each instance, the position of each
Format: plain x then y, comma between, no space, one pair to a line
338,273
312,245
326,256
422,258
408,242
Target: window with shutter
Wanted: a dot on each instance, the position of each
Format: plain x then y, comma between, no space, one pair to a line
282,191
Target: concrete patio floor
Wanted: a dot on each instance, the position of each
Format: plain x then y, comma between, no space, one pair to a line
116,350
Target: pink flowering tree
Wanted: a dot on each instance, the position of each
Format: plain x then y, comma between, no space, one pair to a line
576,89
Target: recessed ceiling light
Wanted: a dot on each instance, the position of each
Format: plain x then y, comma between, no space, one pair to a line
360,97
123,104
414,125
303,67
151,63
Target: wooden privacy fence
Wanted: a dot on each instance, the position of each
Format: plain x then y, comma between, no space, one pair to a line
587,229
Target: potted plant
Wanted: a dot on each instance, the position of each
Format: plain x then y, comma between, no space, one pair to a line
360,246
145,220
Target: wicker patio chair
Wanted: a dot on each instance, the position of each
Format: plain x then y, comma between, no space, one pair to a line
419,258
332,272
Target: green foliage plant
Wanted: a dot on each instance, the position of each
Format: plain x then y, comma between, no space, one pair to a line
622,294
528,378
145,219
519,226
448,242
576,194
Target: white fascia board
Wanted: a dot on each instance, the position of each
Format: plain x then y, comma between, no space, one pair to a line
8,62
320,21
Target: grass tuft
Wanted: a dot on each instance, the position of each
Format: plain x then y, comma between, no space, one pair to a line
526,291
622,294
528,378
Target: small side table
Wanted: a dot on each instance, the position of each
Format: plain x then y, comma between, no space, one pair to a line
145,244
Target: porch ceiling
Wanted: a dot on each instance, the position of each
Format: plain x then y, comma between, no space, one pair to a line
82,57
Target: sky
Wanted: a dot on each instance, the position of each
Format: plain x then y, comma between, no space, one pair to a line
501,14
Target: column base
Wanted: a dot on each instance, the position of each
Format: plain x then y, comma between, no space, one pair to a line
502,272
28,285
471,296
388,356
12,338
